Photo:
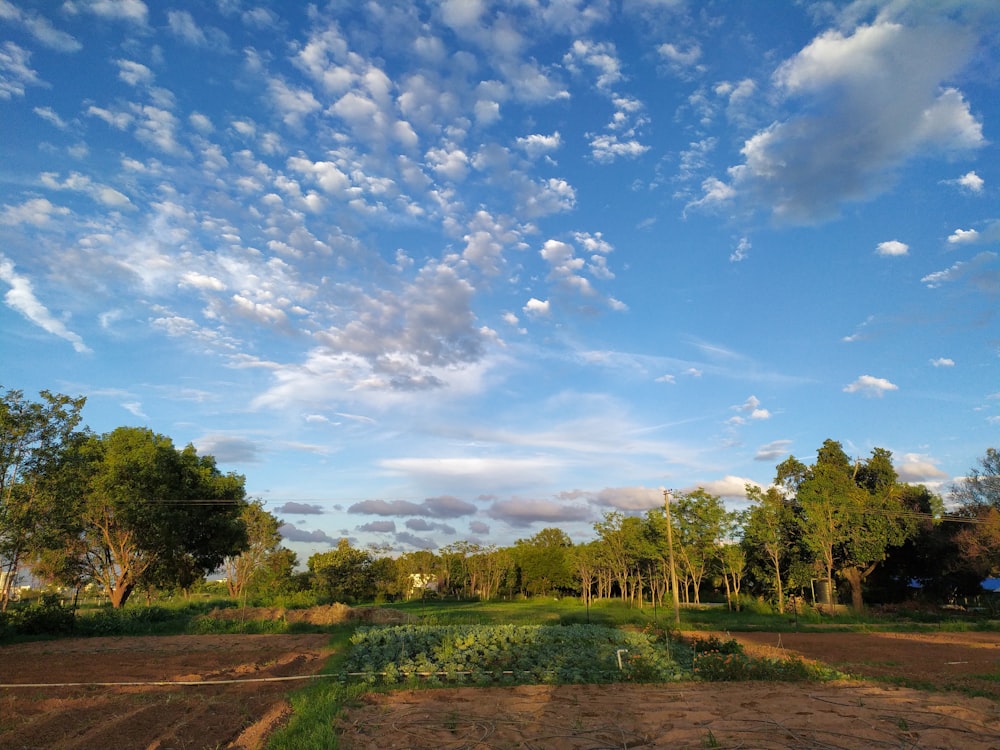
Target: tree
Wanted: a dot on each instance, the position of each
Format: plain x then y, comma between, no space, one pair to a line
263,545
33,440
140,511
978,494
545,562
344,574
767,532
982,487
698,517
851,514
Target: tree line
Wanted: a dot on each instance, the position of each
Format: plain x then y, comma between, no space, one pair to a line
127,510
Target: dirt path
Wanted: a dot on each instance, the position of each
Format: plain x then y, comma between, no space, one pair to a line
152,717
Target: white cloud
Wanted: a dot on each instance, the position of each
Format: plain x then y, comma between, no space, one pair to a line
134,11
752,408
36,211
103,194
51,116
536,308
803,167
682,58
963,236
915,468
21,297
731,487
15,72
134,73
943,362
742,251
892,248
868,385
971,182
978,270
39,27
537,145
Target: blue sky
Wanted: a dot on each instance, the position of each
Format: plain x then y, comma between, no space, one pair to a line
462,270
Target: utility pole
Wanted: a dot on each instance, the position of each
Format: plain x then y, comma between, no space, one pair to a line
670,553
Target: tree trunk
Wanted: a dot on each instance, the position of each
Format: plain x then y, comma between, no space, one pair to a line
119,594
855,578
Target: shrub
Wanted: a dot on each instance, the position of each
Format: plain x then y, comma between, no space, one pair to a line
43,616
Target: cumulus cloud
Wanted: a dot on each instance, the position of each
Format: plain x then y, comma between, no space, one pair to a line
892,248
730,487
536,308
802,168
963,236
970,182
752,409
915,468
943,362
537,145
868,385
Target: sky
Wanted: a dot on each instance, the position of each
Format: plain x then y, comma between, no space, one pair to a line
463,270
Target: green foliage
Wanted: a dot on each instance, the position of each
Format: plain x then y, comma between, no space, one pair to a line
717,660
133,621
485,654
139,512
344,574
45,616
316,706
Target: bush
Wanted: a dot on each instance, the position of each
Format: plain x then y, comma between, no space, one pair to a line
46,615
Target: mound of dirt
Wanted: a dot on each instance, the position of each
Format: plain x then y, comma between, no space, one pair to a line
333,614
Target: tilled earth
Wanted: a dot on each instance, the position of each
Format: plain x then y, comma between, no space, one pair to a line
92,715
890,713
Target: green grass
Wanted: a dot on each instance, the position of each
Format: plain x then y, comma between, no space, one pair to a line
317,706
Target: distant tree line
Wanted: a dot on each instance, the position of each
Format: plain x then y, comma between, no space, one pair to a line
127,511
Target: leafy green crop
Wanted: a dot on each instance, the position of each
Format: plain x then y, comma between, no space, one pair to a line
484,654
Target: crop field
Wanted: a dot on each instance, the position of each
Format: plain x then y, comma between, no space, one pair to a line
438,683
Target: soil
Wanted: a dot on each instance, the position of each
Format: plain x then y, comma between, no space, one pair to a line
94,716
848,714
842,715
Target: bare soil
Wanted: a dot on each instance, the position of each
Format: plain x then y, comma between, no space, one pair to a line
845,715
94,716
842,715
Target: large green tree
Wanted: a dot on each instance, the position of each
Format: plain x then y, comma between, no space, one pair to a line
34,437
699,519
545,562
139,511
767,534
344,574
851,514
